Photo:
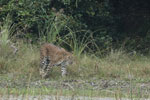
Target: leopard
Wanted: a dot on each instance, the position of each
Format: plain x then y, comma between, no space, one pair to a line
52,56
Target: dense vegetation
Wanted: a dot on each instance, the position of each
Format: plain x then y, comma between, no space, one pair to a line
110,40
109,23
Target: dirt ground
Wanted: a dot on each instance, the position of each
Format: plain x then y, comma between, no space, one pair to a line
81,84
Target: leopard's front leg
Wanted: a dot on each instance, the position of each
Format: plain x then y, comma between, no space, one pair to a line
45,66
63,71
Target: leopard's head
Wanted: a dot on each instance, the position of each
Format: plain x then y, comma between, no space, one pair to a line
68,59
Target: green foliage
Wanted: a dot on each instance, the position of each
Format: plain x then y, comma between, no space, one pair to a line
27,14
110,21
80,43
6,30
53,26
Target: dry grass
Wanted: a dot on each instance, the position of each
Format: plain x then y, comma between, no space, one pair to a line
23,66
117,64
20,64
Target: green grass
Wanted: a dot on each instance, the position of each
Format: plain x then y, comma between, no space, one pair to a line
24,65
53,91
115,65
77,92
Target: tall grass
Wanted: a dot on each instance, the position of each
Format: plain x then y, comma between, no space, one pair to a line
53,26
78,43
117,64
23,65
6,30
10,61
51,32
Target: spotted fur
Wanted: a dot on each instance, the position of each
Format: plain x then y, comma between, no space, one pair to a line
50,56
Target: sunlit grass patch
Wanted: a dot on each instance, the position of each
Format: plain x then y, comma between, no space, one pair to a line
87,93
58,92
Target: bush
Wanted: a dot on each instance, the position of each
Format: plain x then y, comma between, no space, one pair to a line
110,21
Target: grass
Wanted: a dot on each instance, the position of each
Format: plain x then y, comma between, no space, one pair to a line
23,66
53,91
116,65
65,92
50,32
